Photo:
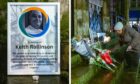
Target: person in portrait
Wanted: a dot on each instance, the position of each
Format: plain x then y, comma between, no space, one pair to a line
35,19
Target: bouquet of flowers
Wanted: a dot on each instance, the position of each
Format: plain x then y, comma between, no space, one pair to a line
104,60
94,53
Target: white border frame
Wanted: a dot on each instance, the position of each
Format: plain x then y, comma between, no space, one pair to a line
69,41
9,39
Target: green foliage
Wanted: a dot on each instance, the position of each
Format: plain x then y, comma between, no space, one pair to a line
30,0
33,0
65,75
3,19
118,54
76,59
118,75
3,4
81,4
112,43
93,70
65,27
27,0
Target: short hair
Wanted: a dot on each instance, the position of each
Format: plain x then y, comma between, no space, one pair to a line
27,19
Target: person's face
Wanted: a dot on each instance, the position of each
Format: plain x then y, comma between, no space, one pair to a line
36,19
119,32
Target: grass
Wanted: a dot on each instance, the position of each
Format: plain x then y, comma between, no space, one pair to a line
84,79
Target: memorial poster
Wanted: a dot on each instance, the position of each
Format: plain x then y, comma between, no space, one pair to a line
33,38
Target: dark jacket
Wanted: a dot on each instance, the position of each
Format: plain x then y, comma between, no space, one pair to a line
131,37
